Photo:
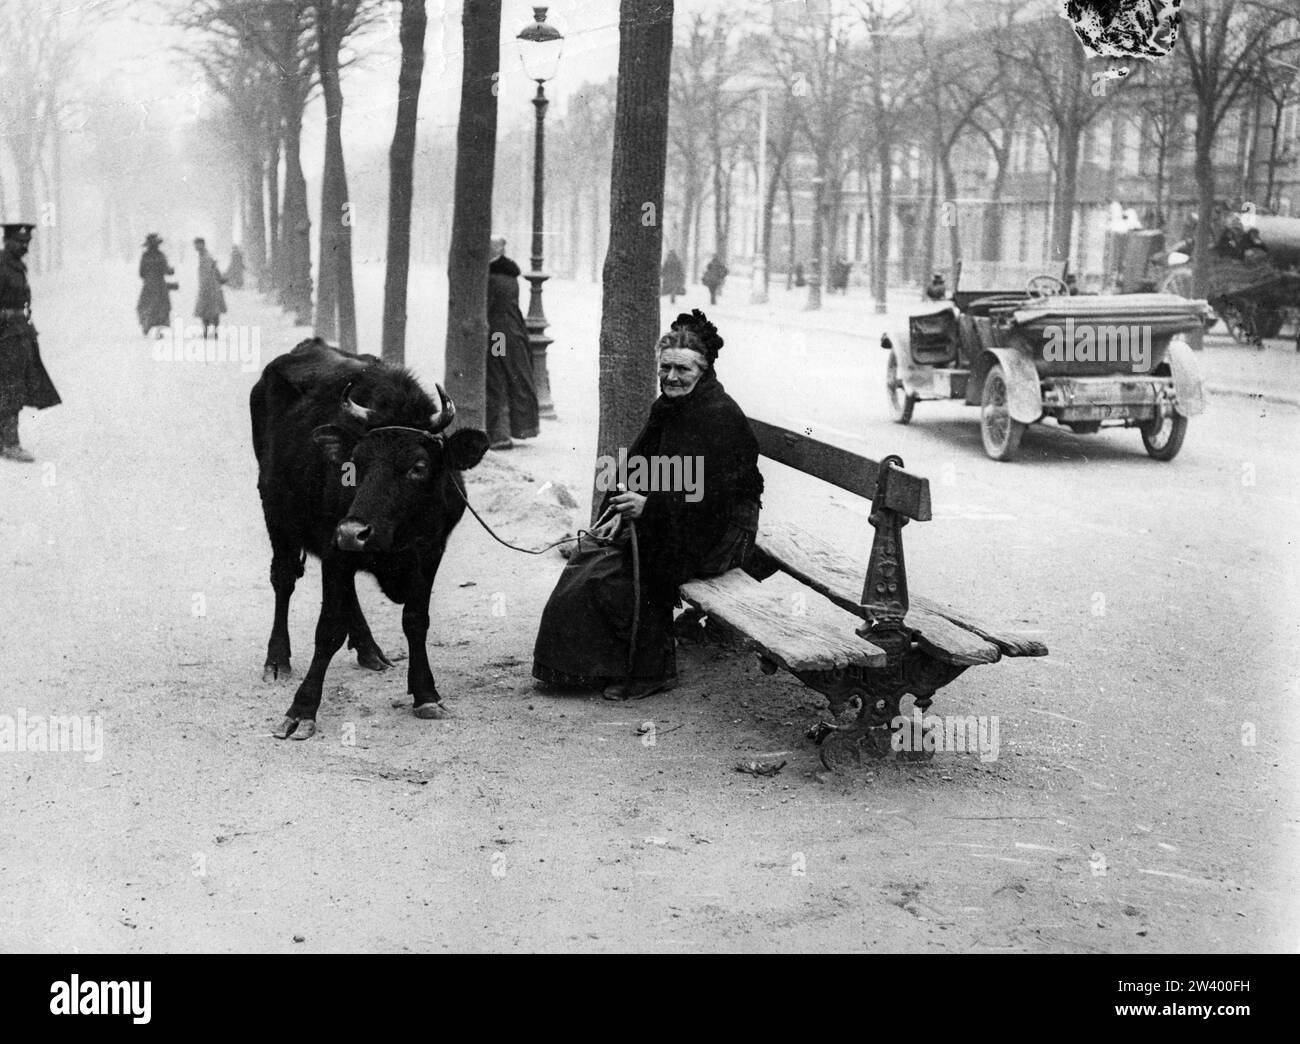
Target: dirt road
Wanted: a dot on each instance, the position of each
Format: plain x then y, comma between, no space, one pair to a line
1125,811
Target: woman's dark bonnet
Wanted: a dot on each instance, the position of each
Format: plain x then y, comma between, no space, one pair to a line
692,330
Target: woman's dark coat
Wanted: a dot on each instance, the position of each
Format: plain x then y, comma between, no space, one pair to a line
211,302
676,534
511,391
155,305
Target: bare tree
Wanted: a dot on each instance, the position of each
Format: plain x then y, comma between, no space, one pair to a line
471,229
1162,90
813,62
629,319
888,105
336,309
1066,92
1224,41
401,174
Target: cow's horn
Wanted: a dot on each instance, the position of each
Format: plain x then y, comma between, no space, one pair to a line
440,418
361,413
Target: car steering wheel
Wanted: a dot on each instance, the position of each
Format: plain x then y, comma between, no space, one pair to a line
1046,286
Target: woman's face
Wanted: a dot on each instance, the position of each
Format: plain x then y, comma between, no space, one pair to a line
680,370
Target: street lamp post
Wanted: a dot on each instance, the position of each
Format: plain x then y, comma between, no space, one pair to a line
540,47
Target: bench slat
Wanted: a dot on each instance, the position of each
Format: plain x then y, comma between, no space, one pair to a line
947,633
763,619
908,494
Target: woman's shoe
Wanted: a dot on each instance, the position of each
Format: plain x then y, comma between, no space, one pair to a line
639,688
502,444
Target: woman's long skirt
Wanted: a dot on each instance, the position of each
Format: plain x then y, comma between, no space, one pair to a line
586,627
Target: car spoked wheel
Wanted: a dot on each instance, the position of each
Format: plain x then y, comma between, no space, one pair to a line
1163,436
900,402
1000,431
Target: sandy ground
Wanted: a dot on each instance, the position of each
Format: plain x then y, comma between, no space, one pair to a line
1124,813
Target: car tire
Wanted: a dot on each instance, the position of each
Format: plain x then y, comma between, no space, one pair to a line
1161,442
1000,431
900,402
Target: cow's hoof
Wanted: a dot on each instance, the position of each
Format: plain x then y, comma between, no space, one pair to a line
432,711
373,660
274,672
295,728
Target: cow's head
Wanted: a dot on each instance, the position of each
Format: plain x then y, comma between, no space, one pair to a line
398,470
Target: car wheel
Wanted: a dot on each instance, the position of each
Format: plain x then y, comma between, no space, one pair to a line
1163,436
999,430
900,402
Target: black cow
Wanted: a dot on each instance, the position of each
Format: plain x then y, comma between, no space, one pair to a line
353,468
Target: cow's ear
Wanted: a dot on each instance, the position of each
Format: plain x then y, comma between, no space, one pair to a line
330,438
465,448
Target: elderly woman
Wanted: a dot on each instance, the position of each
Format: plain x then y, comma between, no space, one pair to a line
594,632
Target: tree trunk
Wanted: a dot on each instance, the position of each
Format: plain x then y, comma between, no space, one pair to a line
817,274
401,177
880,275
275,260
471,226
336,313
1063,198
719,204
791,230
255,217
769,214
1204,167
294,218
954,225
629,320
931,220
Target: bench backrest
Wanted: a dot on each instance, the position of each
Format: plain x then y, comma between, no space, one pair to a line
905,493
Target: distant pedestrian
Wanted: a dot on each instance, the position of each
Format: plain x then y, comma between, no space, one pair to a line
799,279
938,288
235,270
211,302
511,390
672,277
155,304
715,274
840,271
23,380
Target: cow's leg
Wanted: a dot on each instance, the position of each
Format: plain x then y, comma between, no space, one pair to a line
331,631
415,625
369,655
286,567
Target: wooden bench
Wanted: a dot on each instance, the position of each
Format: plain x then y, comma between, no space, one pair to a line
893,644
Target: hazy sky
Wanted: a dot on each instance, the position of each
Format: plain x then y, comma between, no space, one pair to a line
136,51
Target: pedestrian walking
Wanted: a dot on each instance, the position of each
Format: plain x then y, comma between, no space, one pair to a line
211,302
511,390
715,274
155,304
672,277
840,275
23,380
235,270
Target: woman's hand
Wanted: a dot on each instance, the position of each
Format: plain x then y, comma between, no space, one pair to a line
630,504
607,529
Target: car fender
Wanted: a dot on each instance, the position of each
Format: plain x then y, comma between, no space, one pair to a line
906,367
1024,393
1188,387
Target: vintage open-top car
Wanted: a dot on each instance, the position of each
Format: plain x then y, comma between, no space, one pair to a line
1029,353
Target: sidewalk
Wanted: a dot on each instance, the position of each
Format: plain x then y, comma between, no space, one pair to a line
1271,374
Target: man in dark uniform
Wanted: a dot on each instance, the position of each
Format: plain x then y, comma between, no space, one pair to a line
23,380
